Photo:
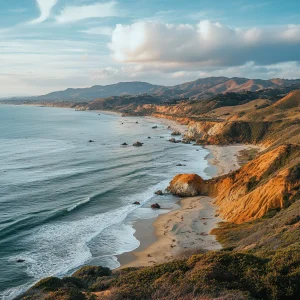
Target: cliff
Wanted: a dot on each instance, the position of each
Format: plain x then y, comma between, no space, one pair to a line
269,182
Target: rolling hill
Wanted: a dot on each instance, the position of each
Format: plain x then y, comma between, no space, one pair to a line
195,90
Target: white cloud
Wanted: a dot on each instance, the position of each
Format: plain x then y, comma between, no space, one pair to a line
206,45
45,7
98,31
77,13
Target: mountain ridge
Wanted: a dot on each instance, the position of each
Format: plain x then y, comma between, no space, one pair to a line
201,88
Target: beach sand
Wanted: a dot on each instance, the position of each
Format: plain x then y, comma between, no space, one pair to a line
185,228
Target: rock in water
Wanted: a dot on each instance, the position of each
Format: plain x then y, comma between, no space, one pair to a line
173,140
136,203
176,133
138,144
156,206
124,144
159,193
186,142
187,185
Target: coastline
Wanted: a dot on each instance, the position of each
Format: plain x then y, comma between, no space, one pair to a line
188,227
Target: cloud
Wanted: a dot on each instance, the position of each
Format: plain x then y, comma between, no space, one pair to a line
98,31
207,44
77,13
45,7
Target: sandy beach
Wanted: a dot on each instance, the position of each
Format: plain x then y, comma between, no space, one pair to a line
185,228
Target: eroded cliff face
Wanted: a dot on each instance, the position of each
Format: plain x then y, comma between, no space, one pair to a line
269,125
267,183
271,181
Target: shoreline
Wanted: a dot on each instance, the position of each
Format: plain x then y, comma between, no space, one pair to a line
187,228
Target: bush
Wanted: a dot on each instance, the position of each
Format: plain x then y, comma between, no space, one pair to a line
90,274
49,284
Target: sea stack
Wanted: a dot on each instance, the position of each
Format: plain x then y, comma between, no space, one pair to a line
187,185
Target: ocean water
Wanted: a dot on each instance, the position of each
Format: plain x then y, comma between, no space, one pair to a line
65,202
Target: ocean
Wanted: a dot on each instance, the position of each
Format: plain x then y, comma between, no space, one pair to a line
66,202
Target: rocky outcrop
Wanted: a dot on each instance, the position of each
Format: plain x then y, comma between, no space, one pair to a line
187,185
267,183
155,206
270,182
175,133
138,144
159,193
173,140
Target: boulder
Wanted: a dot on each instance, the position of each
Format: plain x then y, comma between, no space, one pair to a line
138,144
154,127
20,260
176,133
159,193
91,141
187,185
186,142
155,206
124,144
173,140
136,203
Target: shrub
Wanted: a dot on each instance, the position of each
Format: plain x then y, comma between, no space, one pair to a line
49,284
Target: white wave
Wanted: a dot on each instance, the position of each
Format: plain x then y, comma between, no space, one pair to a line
60,247
79,204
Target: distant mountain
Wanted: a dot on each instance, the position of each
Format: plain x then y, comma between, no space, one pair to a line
207,87
100,91
199,89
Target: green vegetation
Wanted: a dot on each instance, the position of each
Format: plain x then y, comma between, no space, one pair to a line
261,261
222,274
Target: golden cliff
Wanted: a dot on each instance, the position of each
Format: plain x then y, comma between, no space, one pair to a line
271,181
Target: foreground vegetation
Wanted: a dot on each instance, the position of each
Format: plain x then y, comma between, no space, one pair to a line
261,260
224,275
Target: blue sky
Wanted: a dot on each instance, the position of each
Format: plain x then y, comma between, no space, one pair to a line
48,45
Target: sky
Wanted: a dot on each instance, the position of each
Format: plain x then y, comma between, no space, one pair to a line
49,45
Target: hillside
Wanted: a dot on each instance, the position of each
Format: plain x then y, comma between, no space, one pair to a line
207,87
200,89
267,183
123,104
